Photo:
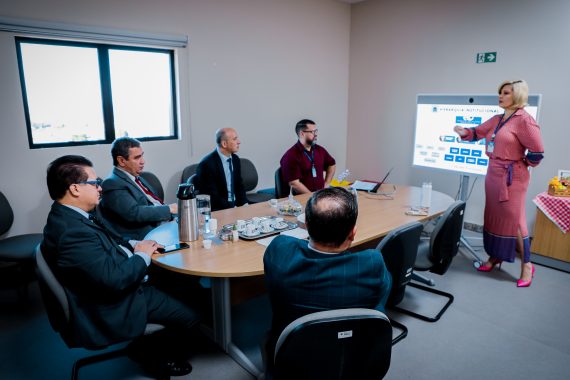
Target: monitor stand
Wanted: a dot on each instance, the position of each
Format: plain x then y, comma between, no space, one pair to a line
463,240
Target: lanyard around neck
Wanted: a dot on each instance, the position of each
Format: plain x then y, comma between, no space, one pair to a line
500,125
311,157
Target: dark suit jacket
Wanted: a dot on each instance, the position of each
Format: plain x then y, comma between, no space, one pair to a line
210,179
300,281
127,209
103,285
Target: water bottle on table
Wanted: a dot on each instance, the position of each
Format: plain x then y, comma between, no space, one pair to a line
425,200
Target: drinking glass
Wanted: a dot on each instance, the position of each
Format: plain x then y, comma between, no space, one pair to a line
204,212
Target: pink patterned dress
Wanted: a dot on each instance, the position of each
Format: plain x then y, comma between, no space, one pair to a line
516,146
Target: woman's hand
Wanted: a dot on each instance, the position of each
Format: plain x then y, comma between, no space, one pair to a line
460,131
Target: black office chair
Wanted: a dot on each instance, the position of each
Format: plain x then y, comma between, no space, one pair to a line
16,253
281,188
154,182
436,254
250,180
335,344
188,171
399,249
57,308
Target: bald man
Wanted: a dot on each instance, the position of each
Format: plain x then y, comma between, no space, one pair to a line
219,173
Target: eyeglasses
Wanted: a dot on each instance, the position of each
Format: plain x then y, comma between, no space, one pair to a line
96,182
314,131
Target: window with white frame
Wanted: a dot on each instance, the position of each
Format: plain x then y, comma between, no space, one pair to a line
78,93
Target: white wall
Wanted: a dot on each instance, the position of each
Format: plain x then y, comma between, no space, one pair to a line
400,48
256,65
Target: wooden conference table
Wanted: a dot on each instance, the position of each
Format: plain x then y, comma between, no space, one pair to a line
377,216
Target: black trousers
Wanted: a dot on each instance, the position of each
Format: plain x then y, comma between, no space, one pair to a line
177,340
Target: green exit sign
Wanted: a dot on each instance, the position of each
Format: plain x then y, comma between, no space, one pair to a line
486,57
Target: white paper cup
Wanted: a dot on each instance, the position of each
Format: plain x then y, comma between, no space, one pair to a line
207,243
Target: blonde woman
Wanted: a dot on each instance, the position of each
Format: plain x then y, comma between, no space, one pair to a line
513,143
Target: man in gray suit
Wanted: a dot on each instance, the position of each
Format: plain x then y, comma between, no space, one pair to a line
129,203
105,279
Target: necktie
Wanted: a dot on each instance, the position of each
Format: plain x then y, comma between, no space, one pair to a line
232,198
147,191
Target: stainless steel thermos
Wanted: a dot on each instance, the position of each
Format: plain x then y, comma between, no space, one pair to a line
187,213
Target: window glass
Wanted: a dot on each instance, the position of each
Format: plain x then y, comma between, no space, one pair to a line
141,87
63,92
79,93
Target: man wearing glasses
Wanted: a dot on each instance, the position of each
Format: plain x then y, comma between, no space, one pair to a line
302,166
129,203
105,279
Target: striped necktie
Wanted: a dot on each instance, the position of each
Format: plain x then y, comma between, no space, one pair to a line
147,191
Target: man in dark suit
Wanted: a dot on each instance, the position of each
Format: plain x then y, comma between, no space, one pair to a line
303,277
219,173
128,203
105,280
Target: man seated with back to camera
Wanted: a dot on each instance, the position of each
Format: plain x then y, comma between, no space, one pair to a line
303,277
105,279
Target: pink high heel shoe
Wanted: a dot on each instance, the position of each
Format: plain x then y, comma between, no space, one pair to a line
488,268
526,283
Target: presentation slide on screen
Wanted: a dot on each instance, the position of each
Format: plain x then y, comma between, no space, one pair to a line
438,146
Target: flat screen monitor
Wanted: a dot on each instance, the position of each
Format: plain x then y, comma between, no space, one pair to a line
437,146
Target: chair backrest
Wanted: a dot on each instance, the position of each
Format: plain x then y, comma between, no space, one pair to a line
53,295
6,214
188,172
248,174
281,188
154,182
335,344
399,249
445,238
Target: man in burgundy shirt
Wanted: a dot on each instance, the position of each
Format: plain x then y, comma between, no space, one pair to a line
302,166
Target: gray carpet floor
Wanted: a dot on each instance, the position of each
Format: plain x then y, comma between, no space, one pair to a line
492,331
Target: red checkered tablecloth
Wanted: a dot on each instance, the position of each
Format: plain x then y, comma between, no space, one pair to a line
557,209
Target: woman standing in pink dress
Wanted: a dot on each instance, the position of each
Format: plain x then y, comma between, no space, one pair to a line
513,143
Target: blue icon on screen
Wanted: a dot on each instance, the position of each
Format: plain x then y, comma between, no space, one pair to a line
476,153
465,152
468,120
459,159
482,161
454,150
448,157
471,160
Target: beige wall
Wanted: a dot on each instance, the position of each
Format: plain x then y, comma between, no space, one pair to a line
400,48
256,65
260,65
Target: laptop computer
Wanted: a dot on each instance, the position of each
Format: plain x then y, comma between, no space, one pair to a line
371,187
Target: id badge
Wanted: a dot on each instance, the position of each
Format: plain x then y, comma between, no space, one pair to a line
314,171
490,147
